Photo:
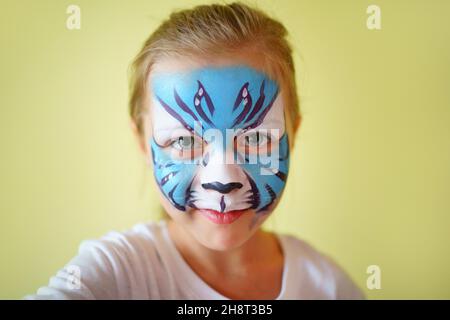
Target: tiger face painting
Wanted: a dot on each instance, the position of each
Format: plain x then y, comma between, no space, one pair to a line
218,139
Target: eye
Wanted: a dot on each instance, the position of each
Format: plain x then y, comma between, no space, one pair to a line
255,139
186,143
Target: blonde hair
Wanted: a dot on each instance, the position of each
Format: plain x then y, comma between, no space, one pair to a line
213,30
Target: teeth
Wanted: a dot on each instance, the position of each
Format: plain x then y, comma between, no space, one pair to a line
245,101
196,101
200,91
244,92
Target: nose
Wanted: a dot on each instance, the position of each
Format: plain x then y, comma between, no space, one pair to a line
221,187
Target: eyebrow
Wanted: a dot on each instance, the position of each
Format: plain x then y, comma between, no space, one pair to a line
174,114
260,119
250,117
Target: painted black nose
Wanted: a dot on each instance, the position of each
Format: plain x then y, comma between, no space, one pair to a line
222,188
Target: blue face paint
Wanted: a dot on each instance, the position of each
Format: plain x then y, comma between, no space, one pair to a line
220,98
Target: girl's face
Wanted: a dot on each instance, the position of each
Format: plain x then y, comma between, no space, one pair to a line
217,142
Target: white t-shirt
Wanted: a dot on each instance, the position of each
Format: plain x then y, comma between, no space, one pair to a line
143,263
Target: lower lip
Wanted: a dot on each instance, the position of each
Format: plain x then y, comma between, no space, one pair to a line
221,218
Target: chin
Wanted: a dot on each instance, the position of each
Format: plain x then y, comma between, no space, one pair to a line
226,233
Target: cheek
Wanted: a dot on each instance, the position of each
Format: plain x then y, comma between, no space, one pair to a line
269,175
172,176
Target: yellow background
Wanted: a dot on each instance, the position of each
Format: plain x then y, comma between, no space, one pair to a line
370,176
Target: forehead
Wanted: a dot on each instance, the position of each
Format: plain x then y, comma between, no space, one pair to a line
220,81
220,96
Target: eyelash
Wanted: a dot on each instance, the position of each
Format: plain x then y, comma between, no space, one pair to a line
176,143
262,139
260,136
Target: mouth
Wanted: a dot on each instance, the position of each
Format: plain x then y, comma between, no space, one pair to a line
222,218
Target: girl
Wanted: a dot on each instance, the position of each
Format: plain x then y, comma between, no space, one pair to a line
215,110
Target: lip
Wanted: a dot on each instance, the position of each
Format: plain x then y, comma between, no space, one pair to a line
221,218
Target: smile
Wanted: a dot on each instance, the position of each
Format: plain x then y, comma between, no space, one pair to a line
222,218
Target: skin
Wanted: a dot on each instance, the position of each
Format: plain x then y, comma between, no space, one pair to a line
237,261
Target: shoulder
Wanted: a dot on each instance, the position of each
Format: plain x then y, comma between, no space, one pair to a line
121,249
117,265
318,271
128,255
142,236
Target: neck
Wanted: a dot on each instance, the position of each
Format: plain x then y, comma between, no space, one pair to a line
239,260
